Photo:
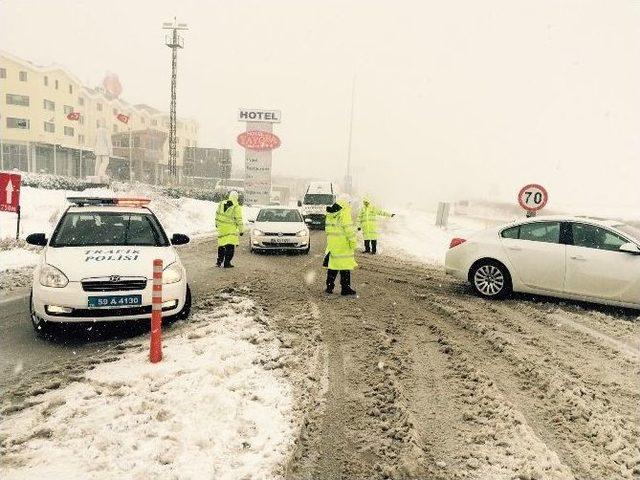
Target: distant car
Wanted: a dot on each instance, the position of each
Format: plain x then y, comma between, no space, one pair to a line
578,258
98,265
279,228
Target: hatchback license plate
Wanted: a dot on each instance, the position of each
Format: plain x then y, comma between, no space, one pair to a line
283,240
115,301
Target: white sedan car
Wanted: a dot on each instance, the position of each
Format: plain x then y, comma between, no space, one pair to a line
279,228
98,265
578,258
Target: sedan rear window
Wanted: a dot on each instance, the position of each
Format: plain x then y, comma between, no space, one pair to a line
90,229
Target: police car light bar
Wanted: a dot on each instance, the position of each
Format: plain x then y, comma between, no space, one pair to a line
109,201
132,201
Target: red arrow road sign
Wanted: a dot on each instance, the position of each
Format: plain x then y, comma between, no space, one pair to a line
9,192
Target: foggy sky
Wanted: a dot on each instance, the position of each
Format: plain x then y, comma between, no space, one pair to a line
453,99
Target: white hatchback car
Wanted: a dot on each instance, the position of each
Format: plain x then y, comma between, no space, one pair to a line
279,228
578,258
98,265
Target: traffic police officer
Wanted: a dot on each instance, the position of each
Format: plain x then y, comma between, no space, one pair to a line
341,245
229,225
368,223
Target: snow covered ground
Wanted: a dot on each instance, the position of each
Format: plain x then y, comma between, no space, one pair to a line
413,234
17,258
213,408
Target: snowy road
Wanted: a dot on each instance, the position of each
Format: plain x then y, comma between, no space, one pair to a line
417,378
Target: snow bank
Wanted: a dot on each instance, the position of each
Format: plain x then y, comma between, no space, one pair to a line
414,234
18,258
210,409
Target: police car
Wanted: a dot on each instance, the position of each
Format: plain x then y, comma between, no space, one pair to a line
98,265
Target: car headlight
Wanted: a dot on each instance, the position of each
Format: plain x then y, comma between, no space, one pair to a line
172,273
50,276
257,232
302,233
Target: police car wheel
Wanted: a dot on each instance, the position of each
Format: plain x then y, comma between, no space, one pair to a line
186,310
306,250
39,326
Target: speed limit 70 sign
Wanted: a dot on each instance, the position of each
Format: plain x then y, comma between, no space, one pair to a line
533,197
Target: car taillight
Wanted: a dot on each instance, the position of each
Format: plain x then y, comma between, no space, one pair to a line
456,241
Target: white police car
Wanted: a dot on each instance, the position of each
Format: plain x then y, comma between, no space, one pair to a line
98,265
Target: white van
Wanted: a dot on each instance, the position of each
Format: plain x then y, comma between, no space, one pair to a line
318,196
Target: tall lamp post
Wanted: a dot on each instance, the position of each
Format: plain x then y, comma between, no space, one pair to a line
174,42
348,180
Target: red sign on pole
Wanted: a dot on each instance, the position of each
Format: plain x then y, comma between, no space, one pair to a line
10,192
258,140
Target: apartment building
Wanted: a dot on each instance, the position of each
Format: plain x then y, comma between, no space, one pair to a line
37,134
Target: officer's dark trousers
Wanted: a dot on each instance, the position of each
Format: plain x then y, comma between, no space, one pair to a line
225,254
370,246
345,278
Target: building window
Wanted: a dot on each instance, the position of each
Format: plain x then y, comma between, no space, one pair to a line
49,127
81,120
14,156
70,88
68,131
115,111
3,73
23,76
99,107
49,105
22,100
115,129
142,120
80,101
56,84
68,109
46,81
81,139
22,123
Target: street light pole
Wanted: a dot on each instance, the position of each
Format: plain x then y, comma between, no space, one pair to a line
173,41
348,177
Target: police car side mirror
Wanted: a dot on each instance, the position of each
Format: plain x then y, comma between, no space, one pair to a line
299,203
39,239
179,239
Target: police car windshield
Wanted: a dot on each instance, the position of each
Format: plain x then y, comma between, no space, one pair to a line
278,215
89,229
318,199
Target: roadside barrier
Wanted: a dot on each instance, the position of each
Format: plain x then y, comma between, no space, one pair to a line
155,350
